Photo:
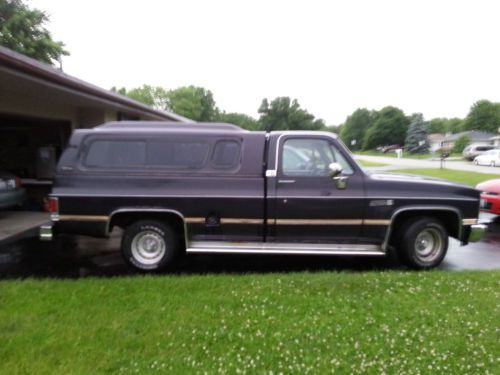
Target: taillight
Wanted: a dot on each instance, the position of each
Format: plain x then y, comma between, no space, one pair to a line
18,182
53,205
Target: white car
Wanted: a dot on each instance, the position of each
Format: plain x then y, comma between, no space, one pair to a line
491,157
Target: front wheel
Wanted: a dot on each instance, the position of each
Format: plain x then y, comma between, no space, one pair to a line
422,242
149,245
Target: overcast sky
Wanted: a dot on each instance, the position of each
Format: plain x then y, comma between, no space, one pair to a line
435,57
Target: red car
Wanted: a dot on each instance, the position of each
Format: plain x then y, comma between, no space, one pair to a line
490,196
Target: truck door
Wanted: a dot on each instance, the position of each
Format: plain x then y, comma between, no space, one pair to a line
306,204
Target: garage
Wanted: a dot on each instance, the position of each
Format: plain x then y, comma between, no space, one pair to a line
39,108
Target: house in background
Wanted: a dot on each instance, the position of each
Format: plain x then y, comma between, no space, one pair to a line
475,137
435,140
39,108
495,141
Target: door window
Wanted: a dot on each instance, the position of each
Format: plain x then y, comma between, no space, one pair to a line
311,157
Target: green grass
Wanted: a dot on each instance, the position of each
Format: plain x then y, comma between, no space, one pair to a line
366,163
461,177
386,322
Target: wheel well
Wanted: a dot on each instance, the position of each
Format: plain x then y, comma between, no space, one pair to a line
449,219
126,218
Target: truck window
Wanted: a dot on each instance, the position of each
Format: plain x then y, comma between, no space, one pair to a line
181,154
226,154
311,157
116,154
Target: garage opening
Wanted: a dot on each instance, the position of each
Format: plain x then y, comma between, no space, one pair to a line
30,148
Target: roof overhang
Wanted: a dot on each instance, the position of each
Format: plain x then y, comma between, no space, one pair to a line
17,66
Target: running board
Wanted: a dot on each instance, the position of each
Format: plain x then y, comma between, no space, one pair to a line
212,247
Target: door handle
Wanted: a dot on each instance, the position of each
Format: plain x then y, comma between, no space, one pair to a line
286,181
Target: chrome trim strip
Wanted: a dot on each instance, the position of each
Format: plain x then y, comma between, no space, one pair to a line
372,197
376,222
282,248
423,208
241,221
83,218
258,197
318,221
470,221
158,196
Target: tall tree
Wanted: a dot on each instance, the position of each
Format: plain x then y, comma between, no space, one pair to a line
445,125
23,30
239,119
196,103
390,127
417,138
285,114
154,96
355,127
483,115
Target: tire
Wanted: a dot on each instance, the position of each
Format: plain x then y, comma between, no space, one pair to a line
149,245
422,243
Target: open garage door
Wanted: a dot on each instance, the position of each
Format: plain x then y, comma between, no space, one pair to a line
30,148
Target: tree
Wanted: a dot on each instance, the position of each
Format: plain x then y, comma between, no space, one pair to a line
153,96
460,144
445,125
417,139
285,114
192,102
389,128
23,30
483,115
355,128
239,119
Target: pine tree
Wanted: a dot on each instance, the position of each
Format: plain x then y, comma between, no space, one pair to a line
417,140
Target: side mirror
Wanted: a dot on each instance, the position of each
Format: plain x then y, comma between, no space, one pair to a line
335,169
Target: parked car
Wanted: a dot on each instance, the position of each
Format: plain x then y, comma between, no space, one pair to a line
471,151
391,148
491,157
490,196
11,192
215,188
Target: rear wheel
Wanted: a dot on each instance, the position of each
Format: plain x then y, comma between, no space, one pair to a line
422,242
149,245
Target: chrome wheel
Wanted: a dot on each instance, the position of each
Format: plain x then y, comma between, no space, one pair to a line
428,245
148,247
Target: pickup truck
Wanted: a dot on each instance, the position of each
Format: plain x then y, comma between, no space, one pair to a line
215,188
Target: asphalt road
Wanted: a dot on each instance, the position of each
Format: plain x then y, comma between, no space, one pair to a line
404,163
75,257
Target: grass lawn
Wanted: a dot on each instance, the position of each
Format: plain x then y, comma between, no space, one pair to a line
366,163
461,177
348,323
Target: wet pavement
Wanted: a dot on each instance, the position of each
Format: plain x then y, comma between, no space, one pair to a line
75,257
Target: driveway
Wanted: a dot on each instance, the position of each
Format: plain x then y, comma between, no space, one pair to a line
407,163
75,257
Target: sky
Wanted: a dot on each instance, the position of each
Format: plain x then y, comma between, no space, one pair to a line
435,57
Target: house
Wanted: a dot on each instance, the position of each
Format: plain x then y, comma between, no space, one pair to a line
475,137
435,140
39,108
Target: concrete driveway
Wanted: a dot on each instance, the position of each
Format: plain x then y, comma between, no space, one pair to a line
406,163
74,257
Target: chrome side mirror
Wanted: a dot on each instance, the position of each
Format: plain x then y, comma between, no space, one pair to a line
335,174
335,169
